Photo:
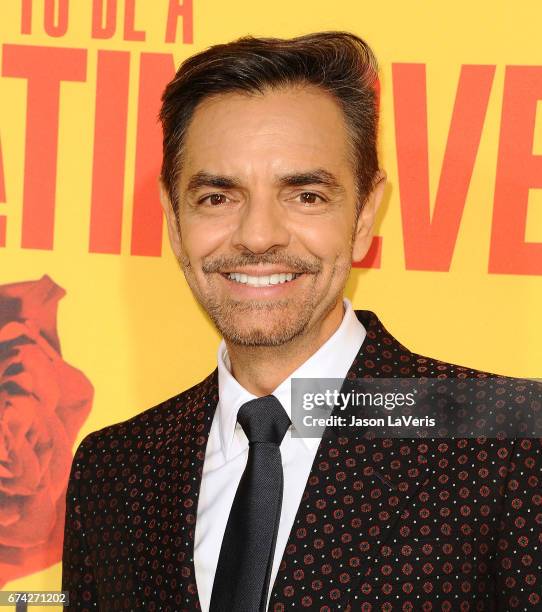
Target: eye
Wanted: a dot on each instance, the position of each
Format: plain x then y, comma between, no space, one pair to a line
308,197
215,199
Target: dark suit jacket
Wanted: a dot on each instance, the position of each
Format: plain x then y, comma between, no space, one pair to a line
384,523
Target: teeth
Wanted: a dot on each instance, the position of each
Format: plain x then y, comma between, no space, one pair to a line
261,281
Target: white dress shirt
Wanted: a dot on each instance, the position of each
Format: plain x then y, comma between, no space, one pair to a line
227,451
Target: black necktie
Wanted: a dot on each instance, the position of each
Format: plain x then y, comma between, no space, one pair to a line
246,557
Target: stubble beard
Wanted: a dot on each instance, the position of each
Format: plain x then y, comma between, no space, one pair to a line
255,323
278,322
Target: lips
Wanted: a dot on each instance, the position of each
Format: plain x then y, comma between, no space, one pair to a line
261,280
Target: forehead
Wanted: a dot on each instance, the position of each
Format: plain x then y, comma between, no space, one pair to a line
281,130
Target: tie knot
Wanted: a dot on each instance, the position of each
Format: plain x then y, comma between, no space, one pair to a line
264,420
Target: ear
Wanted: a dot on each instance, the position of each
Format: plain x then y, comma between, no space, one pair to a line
366,219
172,223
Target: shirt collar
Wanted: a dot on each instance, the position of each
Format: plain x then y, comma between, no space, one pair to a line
332,360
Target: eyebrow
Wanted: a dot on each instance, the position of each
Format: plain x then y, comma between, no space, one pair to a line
294,179
206,179
312,177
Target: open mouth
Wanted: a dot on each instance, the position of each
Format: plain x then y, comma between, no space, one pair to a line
261,281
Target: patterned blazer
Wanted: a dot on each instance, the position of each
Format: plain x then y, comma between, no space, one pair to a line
384,524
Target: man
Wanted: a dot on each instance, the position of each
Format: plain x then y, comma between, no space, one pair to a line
270,185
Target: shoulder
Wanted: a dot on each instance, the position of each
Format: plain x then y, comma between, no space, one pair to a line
514,404
488,392
401,361
153,426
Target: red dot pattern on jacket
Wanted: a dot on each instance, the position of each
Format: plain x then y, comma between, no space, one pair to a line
384,524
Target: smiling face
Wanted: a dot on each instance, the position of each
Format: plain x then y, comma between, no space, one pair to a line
267,214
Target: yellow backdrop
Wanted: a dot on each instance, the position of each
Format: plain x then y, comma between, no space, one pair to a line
128,320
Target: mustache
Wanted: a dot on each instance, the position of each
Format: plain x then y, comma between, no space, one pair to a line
292,262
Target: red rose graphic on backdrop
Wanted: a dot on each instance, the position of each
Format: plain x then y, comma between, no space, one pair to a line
43,403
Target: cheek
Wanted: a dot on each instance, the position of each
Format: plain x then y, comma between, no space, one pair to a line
201,238
327,239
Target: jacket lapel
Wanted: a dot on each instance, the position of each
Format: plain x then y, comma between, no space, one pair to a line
190,427
357,490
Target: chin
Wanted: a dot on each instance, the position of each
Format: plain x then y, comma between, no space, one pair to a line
244,332
257,337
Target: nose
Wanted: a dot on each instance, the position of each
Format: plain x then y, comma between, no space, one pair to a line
262,225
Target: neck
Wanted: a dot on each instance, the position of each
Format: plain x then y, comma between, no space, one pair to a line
261,369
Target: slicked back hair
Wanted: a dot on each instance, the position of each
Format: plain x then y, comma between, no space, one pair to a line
340,63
